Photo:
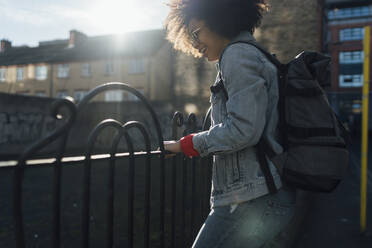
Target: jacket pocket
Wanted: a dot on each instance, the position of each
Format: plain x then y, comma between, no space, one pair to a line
219,172
232,166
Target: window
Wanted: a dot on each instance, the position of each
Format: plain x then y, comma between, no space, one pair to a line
351,69
40,93
61,94
354,57
136,66
41,72
130,97
350,12
2,74
86,70
351,80
351,34
63,70
20,73
79,94
109,68
113,96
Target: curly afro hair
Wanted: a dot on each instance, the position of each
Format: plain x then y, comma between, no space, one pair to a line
227,18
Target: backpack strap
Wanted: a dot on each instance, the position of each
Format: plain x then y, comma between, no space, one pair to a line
265,166
219,86
262,146
269,56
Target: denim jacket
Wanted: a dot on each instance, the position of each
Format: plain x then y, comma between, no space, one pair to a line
237,123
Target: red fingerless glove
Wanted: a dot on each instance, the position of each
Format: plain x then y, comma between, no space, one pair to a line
187,146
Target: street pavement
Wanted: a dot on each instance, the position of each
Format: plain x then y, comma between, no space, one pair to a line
333,219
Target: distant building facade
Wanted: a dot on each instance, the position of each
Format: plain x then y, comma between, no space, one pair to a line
74,66
343,41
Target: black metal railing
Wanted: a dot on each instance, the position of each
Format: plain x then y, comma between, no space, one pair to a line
177,234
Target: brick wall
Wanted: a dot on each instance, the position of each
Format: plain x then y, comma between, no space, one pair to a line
336,46
290,27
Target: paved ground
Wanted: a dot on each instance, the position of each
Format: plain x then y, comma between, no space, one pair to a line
333,219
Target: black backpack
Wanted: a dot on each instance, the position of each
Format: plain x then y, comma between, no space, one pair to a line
315,141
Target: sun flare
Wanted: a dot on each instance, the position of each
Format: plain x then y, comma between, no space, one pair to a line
117,16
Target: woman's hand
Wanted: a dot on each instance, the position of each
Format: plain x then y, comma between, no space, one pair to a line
172,146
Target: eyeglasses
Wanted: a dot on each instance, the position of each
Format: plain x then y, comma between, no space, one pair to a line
195,36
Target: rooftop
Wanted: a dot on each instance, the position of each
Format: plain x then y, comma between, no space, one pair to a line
142,43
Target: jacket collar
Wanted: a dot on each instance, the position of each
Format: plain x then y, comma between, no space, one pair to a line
243,36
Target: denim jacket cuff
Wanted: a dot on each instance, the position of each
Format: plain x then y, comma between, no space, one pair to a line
187,146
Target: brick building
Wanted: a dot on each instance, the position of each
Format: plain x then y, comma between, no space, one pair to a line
345,21
73,66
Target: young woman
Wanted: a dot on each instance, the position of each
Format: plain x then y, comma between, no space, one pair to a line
243,213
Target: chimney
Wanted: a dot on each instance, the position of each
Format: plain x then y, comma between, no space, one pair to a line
76,38
5,45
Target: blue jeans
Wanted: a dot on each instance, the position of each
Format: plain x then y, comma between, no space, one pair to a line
251,224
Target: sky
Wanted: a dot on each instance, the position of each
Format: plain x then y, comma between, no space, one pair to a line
26,22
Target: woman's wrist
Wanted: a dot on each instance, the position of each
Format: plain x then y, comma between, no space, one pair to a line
172,146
